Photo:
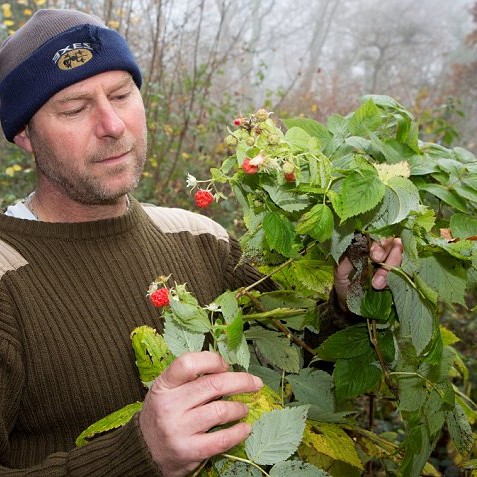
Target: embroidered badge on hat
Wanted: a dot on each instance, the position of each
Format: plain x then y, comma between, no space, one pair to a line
73,56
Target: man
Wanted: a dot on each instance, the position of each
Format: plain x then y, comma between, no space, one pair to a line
76,258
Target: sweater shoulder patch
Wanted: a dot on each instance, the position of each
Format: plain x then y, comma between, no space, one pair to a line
174,220
10,259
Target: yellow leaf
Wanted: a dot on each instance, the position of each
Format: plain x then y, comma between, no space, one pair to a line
8,23
6,10
332,441
39,2
113,24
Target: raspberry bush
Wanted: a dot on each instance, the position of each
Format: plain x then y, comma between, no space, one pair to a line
310,192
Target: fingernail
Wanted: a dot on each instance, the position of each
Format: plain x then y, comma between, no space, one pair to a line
379,282
258,382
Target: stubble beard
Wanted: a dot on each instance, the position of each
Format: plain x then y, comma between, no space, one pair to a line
87,188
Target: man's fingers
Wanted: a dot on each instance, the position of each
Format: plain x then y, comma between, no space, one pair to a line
387,251
215,413
189,367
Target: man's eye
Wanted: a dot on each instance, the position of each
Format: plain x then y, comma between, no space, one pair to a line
73,112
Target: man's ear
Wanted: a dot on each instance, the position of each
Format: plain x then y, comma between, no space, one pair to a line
22,139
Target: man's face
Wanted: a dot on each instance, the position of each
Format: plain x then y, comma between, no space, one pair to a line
89,139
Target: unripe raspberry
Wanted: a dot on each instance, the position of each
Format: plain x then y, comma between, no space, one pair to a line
249,168
250,141
262,115
203,198
288,167
273,139
231,140
160,297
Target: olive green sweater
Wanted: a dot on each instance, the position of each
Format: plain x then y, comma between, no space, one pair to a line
70,295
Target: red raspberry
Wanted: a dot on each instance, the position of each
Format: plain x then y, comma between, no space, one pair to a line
203,198
249,168
290,177
160,297
238,121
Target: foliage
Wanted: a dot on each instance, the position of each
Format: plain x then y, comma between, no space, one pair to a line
308,195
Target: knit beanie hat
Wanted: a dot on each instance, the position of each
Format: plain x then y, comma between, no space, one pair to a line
52,50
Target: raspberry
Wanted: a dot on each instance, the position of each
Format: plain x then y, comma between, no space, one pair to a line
160,297
290,177
238,121
203,198
262,115
249,168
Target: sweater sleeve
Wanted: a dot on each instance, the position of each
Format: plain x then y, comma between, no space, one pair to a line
115,454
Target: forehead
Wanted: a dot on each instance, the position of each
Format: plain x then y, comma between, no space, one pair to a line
105,82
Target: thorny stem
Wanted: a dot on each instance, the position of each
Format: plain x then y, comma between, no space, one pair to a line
373,336
240,459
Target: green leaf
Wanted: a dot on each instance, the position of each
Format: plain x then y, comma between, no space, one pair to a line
351,342
317,223
296,468
190,315
297,138
283,197
228,305
460,430
315,275
362,190
367,117
276,435
312,127
313,386
240,355
401,198
112,421
152,353
280,233
180,340
445,275
354,377
234,332
463,226
376,304
320,171
446,195
275,348
416,318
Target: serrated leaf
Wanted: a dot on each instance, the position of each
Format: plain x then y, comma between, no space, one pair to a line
361,191
312,127
276,435
366,118
305,385
276,348
294,468
341,239
240,355
234,332
285,199
152,353
318,223
463,226
297,138
314,275
460,430
332,441
280,233
351,342
112,421
446,195
320,170
376,304
228,305
354,377
190,315
180,340
416,319
446,276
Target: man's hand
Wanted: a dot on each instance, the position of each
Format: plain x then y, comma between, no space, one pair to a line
388,252
182,405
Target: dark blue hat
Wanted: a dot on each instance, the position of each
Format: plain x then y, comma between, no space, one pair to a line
53,50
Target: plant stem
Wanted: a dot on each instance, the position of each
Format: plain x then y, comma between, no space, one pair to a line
249,462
